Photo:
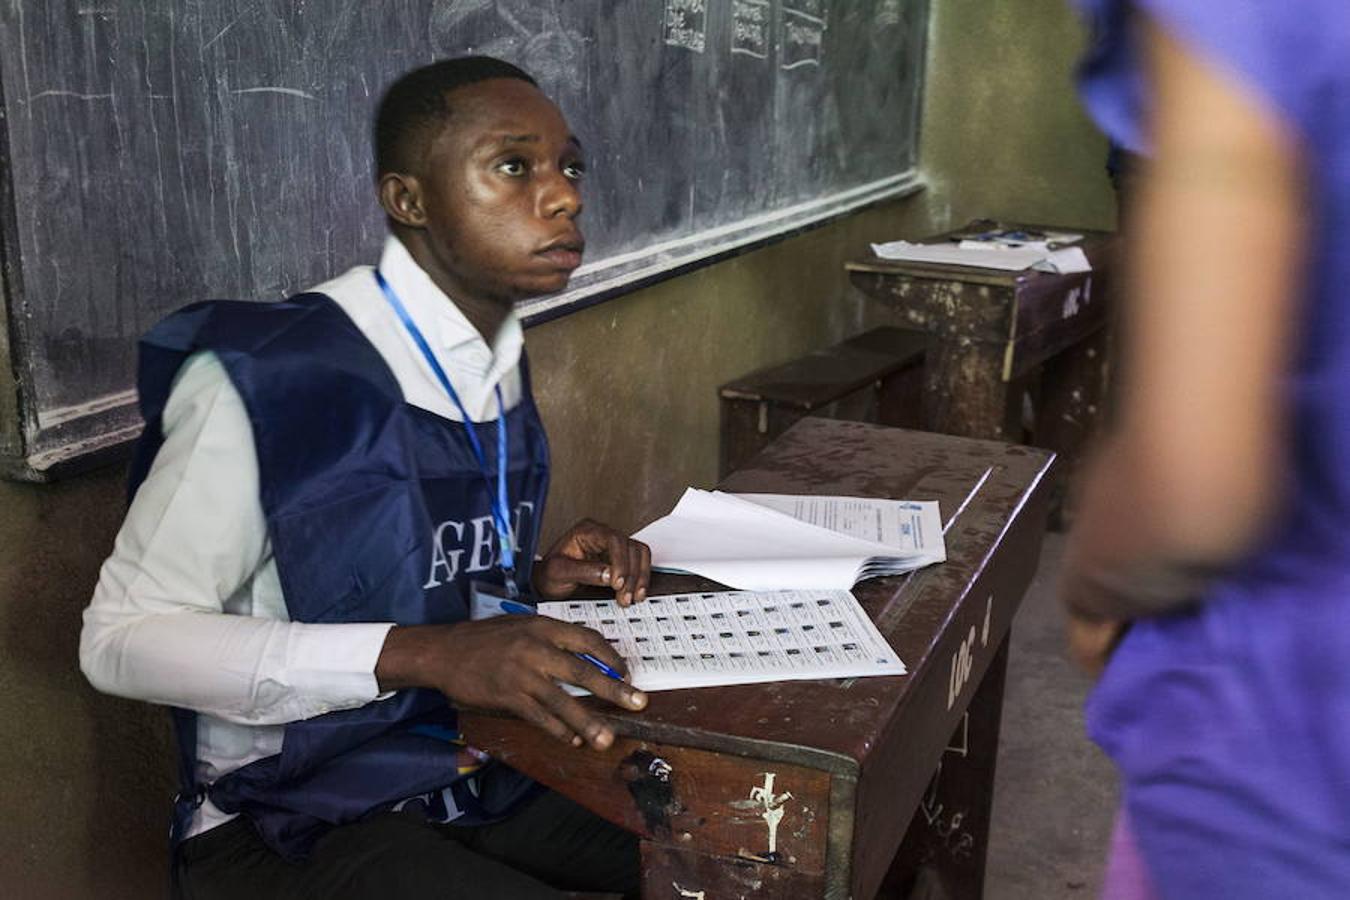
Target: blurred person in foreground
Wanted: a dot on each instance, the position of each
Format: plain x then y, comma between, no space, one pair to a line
1208,578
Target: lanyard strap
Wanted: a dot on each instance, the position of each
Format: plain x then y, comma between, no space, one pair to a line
500,508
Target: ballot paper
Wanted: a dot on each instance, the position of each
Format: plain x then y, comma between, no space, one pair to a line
737,637
761,542
1038,255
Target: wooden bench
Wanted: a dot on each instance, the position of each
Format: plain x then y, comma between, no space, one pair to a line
876,376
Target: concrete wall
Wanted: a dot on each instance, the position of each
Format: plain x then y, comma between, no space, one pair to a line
627,388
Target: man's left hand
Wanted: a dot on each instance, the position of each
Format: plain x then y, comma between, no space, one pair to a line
595,554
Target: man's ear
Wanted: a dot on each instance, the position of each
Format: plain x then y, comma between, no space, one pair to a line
401,197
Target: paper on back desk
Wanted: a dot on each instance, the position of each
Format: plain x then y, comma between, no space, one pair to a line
751,547
948,254
985,255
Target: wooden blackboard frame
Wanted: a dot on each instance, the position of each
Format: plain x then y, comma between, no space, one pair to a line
620,275
104,433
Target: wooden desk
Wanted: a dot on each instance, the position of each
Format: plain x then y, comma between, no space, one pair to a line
1000,336
806,789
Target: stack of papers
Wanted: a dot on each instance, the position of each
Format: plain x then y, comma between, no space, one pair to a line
763,542
700,640
1038,255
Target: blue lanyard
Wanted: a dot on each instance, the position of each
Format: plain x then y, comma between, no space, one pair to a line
500,508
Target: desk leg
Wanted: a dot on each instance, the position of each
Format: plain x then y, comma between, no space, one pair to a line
942,856
1072,404
748,426
964,392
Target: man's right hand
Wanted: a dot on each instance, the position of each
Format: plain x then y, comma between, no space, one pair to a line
513,664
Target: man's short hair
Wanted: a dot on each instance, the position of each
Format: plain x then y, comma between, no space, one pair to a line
416,106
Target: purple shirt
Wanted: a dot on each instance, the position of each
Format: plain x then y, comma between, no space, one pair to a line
1231,723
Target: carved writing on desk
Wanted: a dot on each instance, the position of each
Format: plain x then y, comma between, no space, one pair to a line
963,658
947,824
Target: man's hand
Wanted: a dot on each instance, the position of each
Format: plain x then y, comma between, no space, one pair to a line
595,554
513,664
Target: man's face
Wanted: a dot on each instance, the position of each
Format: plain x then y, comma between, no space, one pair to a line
500,191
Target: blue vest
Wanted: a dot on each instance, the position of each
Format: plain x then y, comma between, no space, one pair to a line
377,512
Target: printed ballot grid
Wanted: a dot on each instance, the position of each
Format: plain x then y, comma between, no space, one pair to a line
738,637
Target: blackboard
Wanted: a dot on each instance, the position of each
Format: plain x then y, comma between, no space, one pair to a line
159,152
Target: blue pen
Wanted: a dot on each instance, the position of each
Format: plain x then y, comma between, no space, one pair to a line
516,609
524,609
601,666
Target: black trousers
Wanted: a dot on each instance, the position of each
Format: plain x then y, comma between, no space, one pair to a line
548,847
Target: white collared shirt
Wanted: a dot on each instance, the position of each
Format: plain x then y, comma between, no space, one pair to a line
188,610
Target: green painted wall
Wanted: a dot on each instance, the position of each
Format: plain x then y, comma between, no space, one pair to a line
628,389
1004,135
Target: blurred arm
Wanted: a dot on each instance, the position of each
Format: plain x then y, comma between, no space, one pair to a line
1195,465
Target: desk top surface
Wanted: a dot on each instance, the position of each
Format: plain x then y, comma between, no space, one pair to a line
981,486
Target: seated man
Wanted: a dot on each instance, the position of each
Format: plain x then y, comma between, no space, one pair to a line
324,486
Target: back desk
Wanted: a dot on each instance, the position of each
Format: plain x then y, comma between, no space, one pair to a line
840,788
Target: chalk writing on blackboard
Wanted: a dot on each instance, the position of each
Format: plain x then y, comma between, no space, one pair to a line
687,23
750,27
803,34
815,9
888,13
531,33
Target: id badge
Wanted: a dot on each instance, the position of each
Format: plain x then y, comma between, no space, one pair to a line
487,600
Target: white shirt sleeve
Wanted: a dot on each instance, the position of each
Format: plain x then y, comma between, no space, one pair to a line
193,544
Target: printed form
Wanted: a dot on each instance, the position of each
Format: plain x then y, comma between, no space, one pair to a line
904,526
737,637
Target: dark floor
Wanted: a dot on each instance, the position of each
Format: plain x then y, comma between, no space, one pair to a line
1055,793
